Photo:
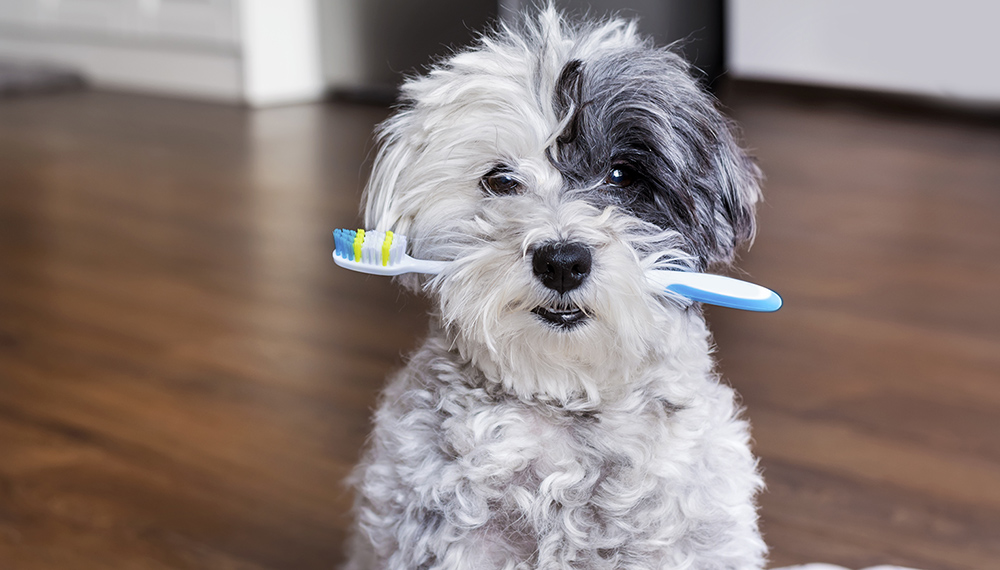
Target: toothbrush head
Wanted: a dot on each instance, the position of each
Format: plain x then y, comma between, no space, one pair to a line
378,253
371,247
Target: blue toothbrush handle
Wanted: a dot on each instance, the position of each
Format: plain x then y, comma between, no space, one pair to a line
718,290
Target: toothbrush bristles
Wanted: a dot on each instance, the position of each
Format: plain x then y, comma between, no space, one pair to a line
371,247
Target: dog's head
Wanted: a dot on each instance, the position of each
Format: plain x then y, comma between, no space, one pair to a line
555,165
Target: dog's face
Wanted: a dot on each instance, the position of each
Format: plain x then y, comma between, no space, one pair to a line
556,166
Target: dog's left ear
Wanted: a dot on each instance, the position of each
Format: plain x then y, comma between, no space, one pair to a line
736,180
710,185
707,187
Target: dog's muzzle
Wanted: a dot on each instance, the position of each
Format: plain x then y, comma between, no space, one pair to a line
562,267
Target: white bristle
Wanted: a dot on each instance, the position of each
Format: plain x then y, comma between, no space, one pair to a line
397,249
371,249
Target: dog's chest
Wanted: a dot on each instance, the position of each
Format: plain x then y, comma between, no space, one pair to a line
534,464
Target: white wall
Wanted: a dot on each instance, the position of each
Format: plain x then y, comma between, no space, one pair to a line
938,48
260,52
280,51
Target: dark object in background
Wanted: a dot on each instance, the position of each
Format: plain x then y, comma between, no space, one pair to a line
400,37
20,79
697,26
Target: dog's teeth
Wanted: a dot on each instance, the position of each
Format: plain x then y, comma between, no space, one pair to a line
567,318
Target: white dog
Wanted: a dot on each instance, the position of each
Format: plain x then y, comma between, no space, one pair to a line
564,412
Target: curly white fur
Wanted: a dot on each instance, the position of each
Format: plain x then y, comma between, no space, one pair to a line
509,442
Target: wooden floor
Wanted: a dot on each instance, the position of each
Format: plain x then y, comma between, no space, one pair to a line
185,377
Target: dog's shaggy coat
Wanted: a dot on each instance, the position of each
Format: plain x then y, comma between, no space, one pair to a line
575,425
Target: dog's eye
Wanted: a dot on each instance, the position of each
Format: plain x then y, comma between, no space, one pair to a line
621,175
500,181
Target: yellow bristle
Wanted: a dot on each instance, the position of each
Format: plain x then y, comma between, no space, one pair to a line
358,240
386,244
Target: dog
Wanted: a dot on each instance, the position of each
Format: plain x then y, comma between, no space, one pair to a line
563,411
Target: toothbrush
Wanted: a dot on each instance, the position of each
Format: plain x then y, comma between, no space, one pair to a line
384,253
378,253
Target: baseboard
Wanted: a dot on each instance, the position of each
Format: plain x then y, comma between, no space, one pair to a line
984,114
209,74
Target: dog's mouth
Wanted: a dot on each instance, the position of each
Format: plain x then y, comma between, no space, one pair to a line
561,317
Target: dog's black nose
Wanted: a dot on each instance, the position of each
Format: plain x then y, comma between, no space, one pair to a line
562,266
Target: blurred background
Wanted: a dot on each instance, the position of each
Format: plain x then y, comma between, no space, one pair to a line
186,378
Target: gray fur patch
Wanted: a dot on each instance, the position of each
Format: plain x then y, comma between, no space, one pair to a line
640,107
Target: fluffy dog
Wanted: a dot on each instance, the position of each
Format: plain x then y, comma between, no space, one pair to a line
564,412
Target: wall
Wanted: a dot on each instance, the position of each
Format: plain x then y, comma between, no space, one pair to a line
923,47
260,52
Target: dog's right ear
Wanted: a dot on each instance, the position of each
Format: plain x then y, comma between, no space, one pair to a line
383,209
389,202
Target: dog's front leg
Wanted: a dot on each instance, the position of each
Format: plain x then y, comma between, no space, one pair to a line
430,486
